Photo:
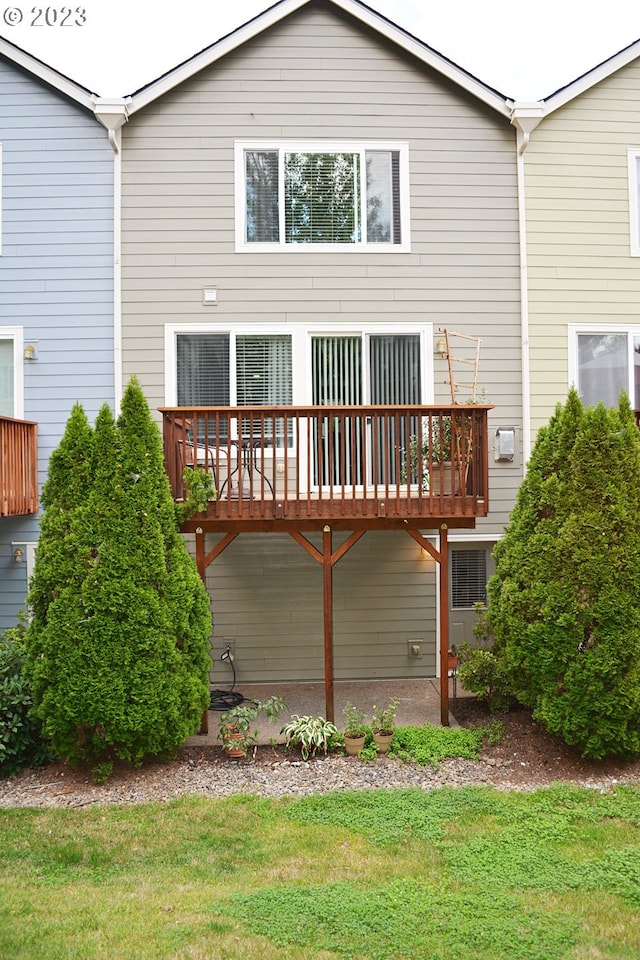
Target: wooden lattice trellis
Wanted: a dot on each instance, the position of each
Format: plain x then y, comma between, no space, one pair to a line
469,361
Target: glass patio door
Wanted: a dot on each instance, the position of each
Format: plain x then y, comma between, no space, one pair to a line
350,371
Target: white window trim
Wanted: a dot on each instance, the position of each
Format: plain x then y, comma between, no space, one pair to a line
0,198
320,146
633,156
17,335
301,335
573,329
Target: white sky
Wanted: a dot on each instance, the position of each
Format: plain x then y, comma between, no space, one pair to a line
526,49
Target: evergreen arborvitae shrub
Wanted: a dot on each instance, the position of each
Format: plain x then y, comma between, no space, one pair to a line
563,603
60,564
132,637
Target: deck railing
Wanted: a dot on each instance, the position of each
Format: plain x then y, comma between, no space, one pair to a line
18,467
329,462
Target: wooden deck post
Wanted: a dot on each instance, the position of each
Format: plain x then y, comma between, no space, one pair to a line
202,570
327,585
444,626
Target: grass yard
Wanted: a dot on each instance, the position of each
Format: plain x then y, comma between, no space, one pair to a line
465,874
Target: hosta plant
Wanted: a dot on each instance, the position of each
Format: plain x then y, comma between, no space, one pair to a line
310,734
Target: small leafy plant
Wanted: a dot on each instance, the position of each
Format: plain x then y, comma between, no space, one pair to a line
354,723
21,741
310,734
384,721
198,490
236,724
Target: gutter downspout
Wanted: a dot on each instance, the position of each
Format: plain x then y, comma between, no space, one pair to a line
525,117
112,114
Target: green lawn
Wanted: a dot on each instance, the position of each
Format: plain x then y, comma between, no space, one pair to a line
466,874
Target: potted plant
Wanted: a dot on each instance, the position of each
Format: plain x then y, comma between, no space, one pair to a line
383,725
433,448
355,730
236,729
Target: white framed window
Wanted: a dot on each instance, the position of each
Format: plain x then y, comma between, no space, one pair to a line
206,366
603,361
0,198
633,159
210,365
322,196
11,372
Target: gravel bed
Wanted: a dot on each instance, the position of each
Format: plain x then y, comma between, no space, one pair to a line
199,774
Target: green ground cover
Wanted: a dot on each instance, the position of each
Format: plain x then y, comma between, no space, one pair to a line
468,873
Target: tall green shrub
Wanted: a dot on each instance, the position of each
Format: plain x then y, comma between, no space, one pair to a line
563,603
69,479
126,646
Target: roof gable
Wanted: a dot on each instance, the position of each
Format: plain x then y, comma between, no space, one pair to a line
594,76
46,74
360,12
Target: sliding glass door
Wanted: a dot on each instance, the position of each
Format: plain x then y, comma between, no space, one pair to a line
365,369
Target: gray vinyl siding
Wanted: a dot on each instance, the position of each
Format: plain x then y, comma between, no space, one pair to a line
267,601
319,76
56,273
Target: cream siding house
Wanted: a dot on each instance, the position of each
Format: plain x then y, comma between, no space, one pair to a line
583,243
230,295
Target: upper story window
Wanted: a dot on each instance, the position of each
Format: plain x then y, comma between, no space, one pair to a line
634,200
603,363
319,196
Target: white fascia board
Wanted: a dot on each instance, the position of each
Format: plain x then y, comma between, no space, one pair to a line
212,53
590,79
359,11
427,55
47,74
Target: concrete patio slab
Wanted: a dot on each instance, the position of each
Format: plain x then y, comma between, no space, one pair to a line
419,703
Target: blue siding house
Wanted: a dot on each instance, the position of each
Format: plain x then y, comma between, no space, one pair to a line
56,288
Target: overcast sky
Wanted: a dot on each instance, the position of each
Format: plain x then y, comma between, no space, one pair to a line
526,49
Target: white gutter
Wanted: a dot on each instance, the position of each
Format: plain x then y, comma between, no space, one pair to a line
525,117
113,114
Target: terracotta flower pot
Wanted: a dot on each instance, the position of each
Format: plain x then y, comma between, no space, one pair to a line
233,744
382,741
353,745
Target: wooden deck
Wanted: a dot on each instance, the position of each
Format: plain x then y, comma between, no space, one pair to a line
18,467
365,467
334,468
